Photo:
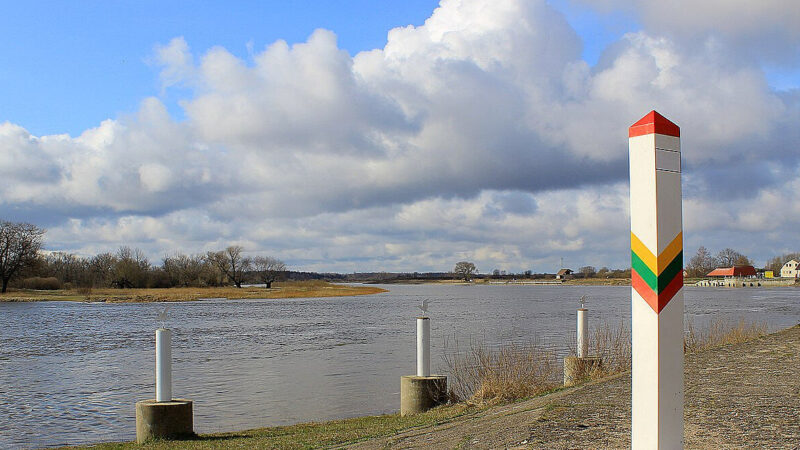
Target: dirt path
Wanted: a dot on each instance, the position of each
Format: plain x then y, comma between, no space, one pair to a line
740,396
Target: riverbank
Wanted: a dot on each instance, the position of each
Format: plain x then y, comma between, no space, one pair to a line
744,395
519,282
298,289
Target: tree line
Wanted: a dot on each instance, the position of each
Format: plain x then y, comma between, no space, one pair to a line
23,263
704,262
466,270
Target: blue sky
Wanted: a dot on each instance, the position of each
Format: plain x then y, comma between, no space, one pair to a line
67,66
398,138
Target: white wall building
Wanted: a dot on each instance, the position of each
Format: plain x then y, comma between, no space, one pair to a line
791,269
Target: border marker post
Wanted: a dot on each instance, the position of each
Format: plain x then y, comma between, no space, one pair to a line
656,284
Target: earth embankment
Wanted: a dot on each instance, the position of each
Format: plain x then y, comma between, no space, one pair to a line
736,396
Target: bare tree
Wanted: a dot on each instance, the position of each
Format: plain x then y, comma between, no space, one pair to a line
269,269
776,264
701,263
730,257
231,263
184,270
101,269
464,269
131,268
19,246
70,270
588,271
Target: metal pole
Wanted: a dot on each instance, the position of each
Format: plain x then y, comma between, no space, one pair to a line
163,365
583,333
423,347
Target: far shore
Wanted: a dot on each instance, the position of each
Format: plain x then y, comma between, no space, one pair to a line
520,281
297,289
550,282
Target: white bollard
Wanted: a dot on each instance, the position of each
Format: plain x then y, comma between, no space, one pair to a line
163,365
583,333
423,347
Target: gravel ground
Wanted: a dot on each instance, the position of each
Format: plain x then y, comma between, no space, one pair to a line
737,396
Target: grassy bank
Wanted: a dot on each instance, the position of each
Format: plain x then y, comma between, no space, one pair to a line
298,289
310,435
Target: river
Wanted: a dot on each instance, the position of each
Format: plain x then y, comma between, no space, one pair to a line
70,373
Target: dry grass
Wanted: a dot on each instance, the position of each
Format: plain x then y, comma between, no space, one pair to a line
721,332
613,346
298,289
613,343
514,371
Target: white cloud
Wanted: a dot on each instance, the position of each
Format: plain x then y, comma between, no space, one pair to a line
177,61
761,30
155,177
478,135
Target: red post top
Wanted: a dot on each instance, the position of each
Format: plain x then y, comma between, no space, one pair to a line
654,122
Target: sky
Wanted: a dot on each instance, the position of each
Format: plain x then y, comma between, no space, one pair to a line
395,136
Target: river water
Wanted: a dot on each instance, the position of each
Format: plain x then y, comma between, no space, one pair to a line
70,373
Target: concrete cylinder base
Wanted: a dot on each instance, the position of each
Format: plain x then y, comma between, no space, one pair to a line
577,369
164,420
419,394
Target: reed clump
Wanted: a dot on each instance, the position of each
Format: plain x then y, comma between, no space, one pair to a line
513,371
721,332
612,343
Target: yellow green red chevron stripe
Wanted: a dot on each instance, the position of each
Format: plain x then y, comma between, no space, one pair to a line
657,279
666,257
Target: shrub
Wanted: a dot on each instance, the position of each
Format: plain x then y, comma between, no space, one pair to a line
41,284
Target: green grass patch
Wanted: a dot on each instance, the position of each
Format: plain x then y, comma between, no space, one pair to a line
308,435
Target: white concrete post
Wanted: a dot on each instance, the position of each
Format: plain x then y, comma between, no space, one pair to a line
423,347
583,333
656,284
163,365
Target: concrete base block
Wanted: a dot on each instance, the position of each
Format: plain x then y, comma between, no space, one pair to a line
577,369
164,420
419,394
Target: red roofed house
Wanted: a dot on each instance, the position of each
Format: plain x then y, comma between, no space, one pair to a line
563,273
735,271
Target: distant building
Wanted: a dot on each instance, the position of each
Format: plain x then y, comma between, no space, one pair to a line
735,271
562,274
791,269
